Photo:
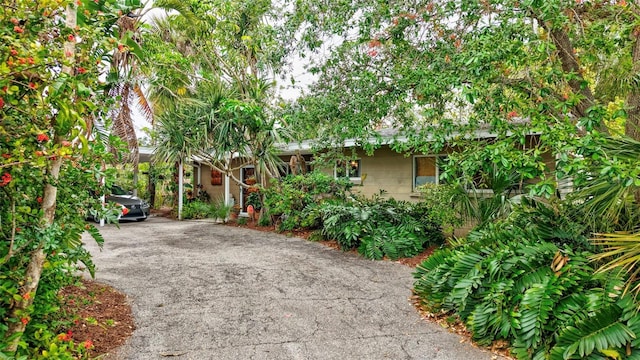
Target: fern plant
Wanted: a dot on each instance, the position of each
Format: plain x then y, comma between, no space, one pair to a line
380,228
535,289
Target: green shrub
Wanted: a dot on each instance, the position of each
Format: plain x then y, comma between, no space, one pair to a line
62,244
255,199
196,210
264,221
292,202
379,228
444,204
532,287
219,210
316,235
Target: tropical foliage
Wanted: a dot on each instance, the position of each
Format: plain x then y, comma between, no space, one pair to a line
198,209
607,200
443,72
381,228
488,196
532,283
294,201
214,102
52,55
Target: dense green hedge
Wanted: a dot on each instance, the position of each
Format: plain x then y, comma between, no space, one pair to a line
293,201
529,280
381,228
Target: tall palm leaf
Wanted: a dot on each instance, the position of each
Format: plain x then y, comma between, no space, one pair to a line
610,201
609,196
170,74
621,252
126,84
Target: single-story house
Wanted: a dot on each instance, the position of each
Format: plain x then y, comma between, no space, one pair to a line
397,174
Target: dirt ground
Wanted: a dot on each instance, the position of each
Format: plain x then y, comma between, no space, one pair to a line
101,314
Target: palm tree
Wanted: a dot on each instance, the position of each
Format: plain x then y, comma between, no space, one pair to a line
209,67
180,133
128,76
609,198
609,192
125,82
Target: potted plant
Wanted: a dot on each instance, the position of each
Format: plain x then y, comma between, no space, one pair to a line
235,211
255,199
250,180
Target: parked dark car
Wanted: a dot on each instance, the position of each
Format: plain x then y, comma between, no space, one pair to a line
132,207
137,209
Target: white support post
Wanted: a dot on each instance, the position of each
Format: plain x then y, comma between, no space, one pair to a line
103,202
180,185
199,180
227,190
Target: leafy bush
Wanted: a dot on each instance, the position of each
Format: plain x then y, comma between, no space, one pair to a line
292,202
255,199
551,220
380,228
219,209
264,221
528,285
444,204
197,210
61,242
203,210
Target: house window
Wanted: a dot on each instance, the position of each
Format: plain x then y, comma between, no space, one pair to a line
426,170
351,169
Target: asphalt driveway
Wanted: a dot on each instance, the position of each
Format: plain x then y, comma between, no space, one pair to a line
204,291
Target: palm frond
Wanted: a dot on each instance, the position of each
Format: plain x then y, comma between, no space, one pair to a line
621,252
143,104
180,6
603,331
536,307
609,195
101,133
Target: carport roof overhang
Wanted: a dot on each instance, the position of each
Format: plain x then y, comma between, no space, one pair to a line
146,153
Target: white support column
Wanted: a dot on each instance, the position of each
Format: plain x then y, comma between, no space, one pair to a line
103,202
227,190
180,186
103,198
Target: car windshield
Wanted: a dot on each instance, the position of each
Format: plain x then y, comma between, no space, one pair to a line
117,190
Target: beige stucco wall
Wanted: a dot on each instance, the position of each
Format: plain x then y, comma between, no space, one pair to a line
216,192
386,170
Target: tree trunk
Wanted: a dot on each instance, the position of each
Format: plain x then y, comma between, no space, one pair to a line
570,65
36,262
632,126
38,257
152,186
175,177
577,83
